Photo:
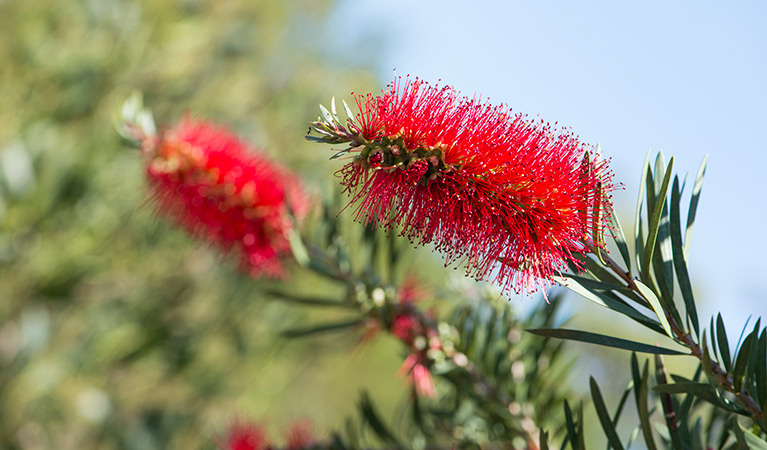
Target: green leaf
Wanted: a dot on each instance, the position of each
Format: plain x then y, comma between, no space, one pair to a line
327,116
724,345
654,224
349,114
649,295
572,434
587,289
744,435
680,263
694,206
638,233
620,238
604,416
600,339
741,360
322,328
640,388
761,371
372,418
309,301
543,440
668,406
298,248
622,402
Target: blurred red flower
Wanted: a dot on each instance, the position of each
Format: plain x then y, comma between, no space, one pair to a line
212,184
514,198
244,436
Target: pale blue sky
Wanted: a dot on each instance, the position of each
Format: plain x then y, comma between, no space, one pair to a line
684,77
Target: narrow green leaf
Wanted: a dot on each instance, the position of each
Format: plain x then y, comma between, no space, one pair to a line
754,442
680,263
333,110
581,433
694,206
656,306
349,113
372,418
644,415
740,437
327,116
654,224
588,289
684,388
761,371
638,232
622,402
668,405
600,339
620,238
322,328
741,360
309,301
572,434
604,416
543,440
298,248
724,345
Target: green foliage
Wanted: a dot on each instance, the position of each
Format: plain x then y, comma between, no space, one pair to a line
117,331
697,413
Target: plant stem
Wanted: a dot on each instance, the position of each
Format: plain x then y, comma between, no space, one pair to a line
686,339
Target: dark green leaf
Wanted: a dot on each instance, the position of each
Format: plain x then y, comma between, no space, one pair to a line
741,360
654,224
372,418
309,301
322,328
604,416
600,339
572,434
746,439
668,405
622,402
680,263
638,233
724,345
640,387
761,371
620,238
543,440
694,206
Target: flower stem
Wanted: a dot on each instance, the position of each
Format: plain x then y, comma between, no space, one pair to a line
723,378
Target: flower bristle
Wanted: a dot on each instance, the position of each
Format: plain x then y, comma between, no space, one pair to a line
515,199
209,182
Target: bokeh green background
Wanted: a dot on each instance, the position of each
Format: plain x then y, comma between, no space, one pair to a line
117,331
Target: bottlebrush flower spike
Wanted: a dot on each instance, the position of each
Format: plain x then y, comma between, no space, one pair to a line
210,183
244,436
513,198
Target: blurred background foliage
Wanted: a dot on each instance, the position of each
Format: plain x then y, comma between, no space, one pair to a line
117,331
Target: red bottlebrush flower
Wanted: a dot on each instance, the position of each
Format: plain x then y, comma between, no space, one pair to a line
244,436
300,435
513,198
419,373
209,182
406,328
